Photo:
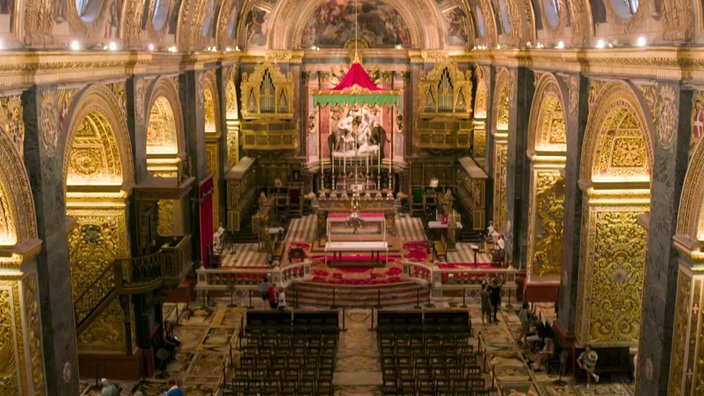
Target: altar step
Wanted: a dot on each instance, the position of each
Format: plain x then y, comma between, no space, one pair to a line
321,294
470,236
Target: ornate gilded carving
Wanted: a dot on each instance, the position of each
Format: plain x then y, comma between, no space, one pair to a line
697,118
200,89
667,116
650,94
38,21
166,217
140,91
11,121
95,243
612,269
65,99
595,86
9,370
546,226
209,111
162,135
692,336
617,143
500,169
677,20
34,337
8,234
231,100
679,337
48,122
118,89
573,100
579,22
106,332
94,155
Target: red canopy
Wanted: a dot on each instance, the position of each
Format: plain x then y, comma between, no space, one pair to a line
356,76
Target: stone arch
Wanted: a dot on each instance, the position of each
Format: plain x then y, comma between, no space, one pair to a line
17,216
690,219
98,175
617,158
547,147
421,17
546,114
499,130
166,142
618,107
98,148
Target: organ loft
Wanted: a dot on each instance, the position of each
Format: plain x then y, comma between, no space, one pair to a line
351,197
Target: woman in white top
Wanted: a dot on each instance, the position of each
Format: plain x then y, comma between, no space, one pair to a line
281,299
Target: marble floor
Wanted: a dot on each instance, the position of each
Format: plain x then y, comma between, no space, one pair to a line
208,332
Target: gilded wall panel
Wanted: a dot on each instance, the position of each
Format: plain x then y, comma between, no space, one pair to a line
545,230
697,119
99,238
479,145
106,332
679,337
33,333
650,94
118,89
212,155
698,384
167,217
10,366
622,150
611,275
11,121
500,169
692,336
595,86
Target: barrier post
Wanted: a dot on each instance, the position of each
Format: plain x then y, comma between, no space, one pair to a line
509,299
417,299
250,306
344,324
464,295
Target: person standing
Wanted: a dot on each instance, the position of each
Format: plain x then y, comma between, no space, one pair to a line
264,289
281,304
273,296
486,304
495,296
587,362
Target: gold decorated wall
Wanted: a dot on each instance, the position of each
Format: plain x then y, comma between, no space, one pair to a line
21,356
545,224
99,238
611,274
106,332
500,132
683,321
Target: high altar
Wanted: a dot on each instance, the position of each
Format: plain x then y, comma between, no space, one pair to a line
356,232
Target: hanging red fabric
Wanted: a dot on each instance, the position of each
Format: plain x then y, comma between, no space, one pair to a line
356,75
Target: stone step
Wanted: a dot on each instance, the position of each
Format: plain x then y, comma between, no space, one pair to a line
320,294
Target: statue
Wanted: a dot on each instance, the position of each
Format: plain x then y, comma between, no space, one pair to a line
218,240
262,200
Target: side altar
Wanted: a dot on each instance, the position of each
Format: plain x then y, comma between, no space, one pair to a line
356,233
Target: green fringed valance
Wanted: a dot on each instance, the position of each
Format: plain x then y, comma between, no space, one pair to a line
342,99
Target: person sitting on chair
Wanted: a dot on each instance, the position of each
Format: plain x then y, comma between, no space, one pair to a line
171,342
541,357
587,362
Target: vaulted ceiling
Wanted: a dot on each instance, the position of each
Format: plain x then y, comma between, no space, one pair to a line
196,25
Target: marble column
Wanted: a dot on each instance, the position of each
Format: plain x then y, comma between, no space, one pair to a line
191,95
43,156
521,90
671,145
575,124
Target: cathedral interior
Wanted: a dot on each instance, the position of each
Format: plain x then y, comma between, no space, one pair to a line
163,157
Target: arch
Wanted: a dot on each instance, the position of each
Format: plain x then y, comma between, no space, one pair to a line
547,146
17,216
499,129
98,149
546,128
165,131
615,148
690,218
421,18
